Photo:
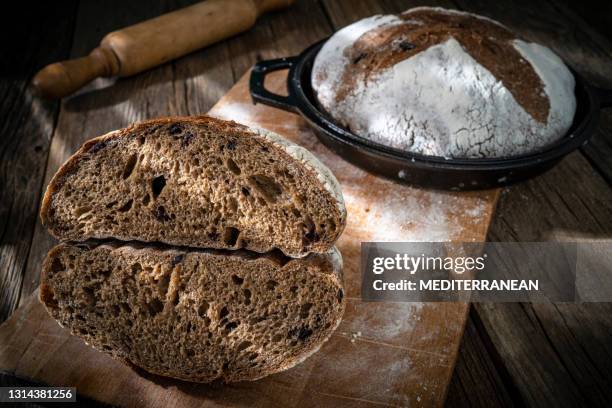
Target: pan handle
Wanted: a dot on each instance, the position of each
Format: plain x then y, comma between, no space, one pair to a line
605,97
259,93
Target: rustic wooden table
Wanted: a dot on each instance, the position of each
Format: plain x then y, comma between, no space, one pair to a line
512,354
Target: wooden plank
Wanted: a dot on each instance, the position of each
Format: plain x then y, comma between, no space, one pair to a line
599,149
344,12
477,380
26,125
596,13
552,358
555,353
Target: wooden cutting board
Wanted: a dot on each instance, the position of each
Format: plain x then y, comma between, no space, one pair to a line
393,354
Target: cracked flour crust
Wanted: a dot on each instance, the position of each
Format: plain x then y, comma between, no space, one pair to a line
441,101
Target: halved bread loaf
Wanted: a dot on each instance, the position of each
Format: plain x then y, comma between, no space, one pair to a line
198,182
196,315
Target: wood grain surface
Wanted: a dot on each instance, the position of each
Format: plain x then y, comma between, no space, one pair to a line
550,354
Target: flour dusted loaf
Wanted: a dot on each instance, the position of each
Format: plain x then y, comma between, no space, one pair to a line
444,83
198,182
196,315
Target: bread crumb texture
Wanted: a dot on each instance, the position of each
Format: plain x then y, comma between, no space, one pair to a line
199,182
198,315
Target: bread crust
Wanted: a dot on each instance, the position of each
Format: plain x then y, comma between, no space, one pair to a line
444,83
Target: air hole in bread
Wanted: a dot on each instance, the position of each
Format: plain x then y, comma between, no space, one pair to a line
177,260
223,312
203,309
128,169
271,284
161,215
115,310
88,297
331,224
47,295
301,333
146,199
244,345
125,307
266,187
231,326
154,307
232,204
57,265
237,279
157,185
79,211
258,319
340,295
230,236
175,129
305,310
310,234
247,296
233,167
127,206
163,284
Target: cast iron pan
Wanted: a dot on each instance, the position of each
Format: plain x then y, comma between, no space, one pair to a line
427,171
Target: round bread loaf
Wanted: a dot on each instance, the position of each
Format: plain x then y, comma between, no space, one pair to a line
444,83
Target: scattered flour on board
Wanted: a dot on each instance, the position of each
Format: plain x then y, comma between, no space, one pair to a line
250,115
404,217
238,112
383,322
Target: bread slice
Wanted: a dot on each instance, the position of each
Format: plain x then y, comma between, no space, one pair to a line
196,315
198,182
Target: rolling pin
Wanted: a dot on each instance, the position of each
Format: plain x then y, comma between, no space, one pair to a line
150,43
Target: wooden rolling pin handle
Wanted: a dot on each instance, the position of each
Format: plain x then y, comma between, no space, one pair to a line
264,6
65,77
147,44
